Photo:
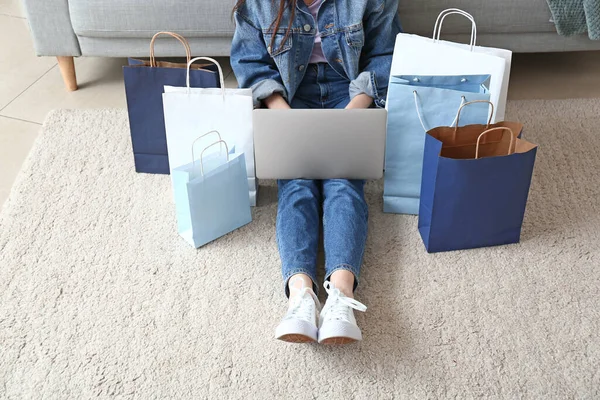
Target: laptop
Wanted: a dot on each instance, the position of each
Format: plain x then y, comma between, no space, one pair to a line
319,143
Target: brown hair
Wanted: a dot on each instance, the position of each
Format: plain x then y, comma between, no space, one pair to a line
283,6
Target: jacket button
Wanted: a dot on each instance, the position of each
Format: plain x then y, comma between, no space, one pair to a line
301,68
307,28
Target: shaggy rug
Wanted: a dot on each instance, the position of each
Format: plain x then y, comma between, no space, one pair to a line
100,298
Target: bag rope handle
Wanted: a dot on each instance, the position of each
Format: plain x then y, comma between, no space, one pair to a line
502,128
182,40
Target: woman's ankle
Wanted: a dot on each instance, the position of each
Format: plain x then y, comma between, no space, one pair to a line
297,282
344,281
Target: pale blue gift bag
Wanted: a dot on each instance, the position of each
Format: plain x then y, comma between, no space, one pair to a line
415,105
211,195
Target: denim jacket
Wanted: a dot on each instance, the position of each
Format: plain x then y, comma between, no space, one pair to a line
357,38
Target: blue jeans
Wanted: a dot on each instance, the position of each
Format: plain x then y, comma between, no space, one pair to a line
340,202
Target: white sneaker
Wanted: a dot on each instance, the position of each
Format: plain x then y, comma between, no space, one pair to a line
300,323
337,324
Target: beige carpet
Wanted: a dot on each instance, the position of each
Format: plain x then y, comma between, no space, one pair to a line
99,297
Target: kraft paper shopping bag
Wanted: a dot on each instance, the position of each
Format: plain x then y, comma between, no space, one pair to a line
475,186
144,85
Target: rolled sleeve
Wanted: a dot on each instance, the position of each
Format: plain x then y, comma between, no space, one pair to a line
263,89
365,83
381,26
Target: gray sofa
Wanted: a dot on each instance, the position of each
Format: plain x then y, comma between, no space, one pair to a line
122,28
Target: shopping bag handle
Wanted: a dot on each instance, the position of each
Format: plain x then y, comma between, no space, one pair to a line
439,22
212,60
469,103
218,142
186,45
200,137
419,113
501,128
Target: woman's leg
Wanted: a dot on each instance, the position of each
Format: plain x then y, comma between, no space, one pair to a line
348,197
299,210
298,237
298,231
345,219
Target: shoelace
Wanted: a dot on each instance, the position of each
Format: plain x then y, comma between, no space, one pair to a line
337,303
297,311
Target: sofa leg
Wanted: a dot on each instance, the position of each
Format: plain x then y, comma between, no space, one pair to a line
67,70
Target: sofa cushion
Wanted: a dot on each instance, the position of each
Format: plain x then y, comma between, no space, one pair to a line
499,16
203,18
143,18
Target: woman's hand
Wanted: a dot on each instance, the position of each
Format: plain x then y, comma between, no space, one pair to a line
276,101
360,101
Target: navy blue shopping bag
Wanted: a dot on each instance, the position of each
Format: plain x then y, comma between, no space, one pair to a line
144,85
475,185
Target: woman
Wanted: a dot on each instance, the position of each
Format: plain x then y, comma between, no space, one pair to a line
317,54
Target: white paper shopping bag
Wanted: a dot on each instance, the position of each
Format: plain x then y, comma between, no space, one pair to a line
191,111
503,53
417,55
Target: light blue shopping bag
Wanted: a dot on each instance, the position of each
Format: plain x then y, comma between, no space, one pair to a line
211,196
417,104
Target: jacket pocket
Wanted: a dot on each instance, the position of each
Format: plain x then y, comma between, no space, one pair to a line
355,36
279,45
